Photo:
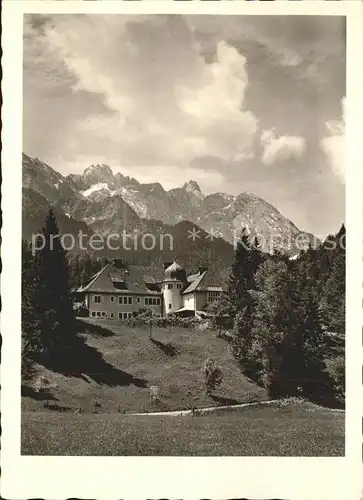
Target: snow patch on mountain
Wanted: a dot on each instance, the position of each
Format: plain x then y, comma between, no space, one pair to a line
96,187
131,196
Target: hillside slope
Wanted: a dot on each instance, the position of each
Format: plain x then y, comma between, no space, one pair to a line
118,364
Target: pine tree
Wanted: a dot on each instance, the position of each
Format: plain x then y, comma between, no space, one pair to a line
51,297
240,279
271,328
333,290
241,285
307,333
30,342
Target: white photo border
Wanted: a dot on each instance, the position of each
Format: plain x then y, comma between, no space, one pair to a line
175,477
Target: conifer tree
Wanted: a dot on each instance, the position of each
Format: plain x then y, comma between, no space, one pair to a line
333,290
241,276
307,332
30,342
287,332
247,260
51,298
271,327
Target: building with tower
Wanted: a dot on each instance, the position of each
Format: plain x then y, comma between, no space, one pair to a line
118,291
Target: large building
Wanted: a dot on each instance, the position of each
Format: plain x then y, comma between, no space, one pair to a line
118,291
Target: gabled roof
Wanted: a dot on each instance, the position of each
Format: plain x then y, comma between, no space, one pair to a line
111,279
202,282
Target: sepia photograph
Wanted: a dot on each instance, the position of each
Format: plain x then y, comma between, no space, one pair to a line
183,238
181,281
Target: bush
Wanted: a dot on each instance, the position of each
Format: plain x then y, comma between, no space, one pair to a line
143,317
335,367
81,311
212,375
203,326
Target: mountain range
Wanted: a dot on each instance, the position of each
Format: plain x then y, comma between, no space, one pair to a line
103,202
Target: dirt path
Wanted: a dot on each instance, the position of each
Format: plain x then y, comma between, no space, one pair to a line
180,413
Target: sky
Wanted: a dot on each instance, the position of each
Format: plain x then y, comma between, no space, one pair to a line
236,103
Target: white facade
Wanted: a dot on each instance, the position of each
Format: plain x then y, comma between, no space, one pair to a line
189,301
120,306
172,294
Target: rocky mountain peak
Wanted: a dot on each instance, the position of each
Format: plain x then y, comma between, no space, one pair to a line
192,187
98,173
99,198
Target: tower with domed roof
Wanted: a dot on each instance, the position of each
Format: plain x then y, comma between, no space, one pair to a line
173,285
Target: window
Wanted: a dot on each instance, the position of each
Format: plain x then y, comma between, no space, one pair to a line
111,315
97,299
98,315
112,298
124,315
152,301
138,300
170,286
93,314
169,306
212,296
125,300
103,314
179,285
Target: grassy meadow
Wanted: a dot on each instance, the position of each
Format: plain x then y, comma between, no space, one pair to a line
110,378
294,430
117,364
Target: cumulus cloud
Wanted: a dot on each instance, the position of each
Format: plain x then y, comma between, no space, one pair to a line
281,148
156,100
333,145
214,107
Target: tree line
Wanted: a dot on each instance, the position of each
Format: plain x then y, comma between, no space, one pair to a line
48,322
285,318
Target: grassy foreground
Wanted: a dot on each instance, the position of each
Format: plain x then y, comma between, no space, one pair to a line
117,364
294,430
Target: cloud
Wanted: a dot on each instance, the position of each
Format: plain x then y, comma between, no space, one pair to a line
214,107
170,98
160,101
333,145
281,148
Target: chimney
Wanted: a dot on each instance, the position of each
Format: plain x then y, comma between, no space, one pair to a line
167,264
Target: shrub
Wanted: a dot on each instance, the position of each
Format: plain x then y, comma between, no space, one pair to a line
212,375
81,311
143,317
335,367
